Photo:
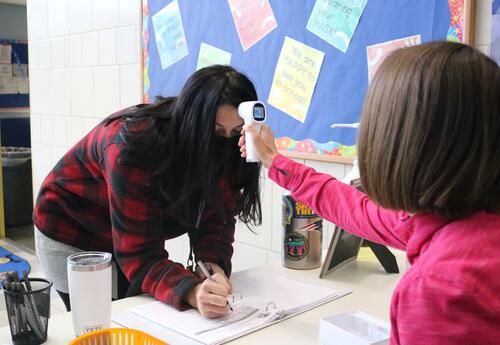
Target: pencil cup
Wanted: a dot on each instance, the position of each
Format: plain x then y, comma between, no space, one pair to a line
29,312
89,282
302,235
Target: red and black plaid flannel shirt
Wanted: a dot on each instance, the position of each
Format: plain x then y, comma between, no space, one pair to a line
92,202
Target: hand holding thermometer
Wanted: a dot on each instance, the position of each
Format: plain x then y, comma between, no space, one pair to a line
252,112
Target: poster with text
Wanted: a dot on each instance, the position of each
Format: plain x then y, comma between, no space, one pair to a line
253,19
295,78
210,55
169,34
336,20
378,52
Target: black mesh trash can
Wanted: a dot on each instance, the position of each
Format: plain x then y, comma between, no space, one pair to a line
17,185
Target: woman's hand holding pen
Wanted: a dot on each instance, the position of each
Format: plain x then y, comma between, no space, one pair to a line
213,268
263,141
210,297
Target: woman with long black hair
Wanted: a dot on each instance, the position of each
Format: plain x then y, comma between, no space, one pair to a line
150,173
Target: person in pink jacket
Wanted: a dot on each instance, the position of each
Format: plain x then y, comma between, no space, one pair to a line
429,158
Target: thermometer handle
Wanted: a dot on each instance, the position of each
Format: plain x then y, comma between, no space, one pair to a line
251,154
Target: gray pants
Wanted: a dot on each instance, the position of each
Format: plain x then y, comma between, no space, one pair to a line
53,255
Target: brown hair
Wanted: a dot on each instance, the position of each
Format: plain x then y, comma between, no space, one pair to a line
429,138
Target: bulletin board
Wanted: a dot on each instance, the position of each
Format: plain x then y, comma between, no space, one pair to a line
310,60
14,82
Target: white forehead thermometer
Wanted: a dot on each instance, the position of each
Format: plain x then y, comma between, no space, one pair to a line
252,112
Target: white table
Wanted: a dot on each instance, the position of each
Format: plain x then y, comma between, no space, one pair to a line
372,290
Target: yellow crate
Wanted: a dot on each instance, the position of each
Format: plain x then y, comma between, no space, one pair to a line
117,336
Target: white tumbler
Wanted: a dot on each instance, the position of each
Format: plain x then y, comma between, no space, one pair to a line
90,289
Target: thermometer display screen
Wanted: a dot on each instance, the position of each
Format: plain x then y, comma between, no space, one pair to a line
259,112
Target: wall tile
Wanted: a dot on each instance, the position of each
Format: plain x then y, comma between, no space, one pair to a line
277,218
56,154
130,12
35,129
59,52
75,50
178,249
484,48
106,91
249,257
45,53
40,91
90,123
33,55
130,89
77,130
127,45
47,131
104,14
80,16
261,236
90,47
38,24
61,126
482,30
58,17
82,92
336,170
59,92
107,47
274,258
41,156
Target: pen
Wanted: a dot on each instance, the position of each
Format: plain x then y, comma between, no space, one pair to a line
209,277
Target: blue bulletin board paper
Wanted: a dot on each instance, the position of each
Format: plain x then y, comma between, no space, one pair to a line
342,80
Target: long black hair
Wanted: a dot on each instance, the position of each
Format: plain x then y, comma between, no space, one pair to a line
174,138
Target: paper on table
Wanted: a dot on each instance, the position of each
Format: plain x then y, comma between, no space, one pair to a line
208,331
266,298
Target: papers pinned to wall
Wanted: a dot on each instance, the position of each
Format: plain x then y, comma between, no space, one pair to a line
336,20
253,19
5,54
169,34
210,55
295,78
377,53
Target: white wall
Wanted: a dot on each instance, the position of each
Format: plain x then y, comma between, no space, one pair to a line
84,64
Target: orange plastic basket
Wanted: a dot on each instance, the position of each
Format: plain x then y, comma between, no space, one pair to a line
117,336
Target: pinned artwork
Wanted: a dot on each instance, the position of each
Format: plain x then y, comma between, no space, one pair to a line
210,55
169,34
378,52
336,20
253,19
295,78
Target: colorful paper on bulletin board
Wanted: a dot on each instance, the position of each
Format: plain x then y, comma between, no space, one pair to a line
495,31
210,55
433,19
253,19
456,29
295,78
336,20
377,53
169,34
5,53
